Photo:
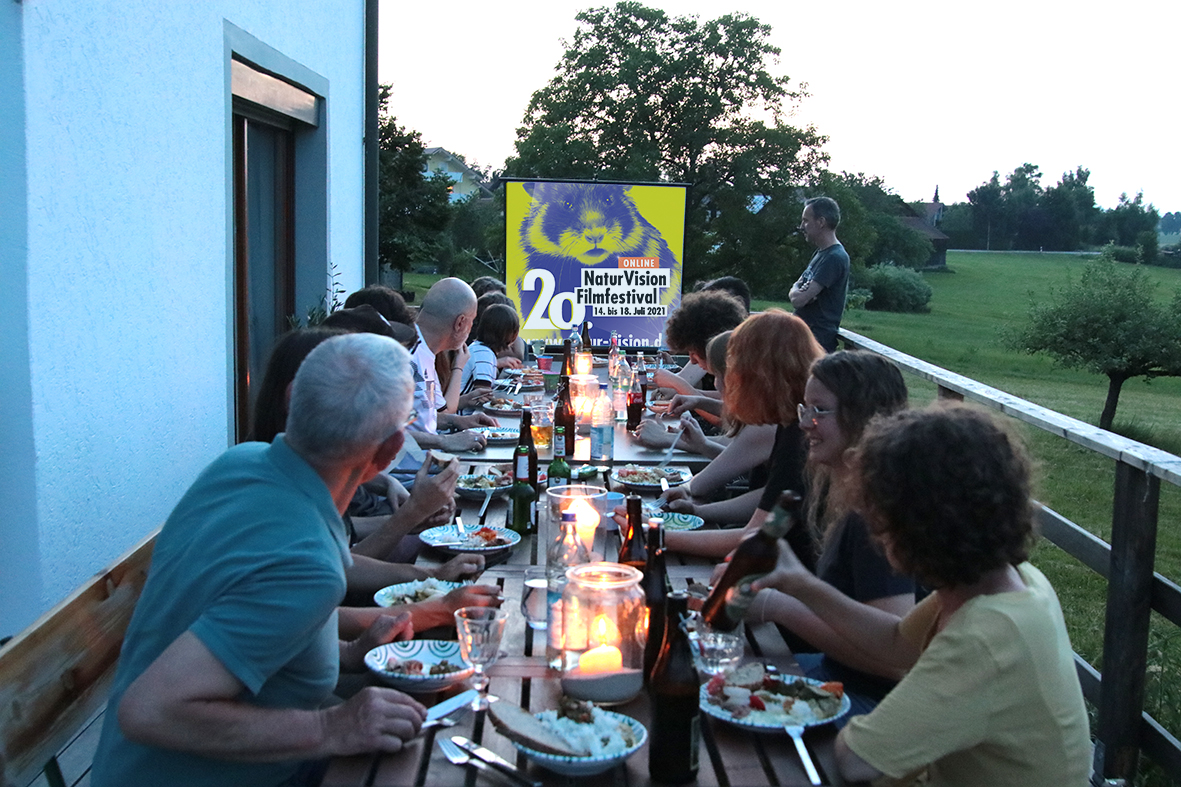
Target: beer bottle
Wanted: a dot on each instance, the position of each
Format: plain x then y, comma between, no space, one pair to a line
586,340
564,414
524,497
676,716
655,593
642,373
633,552
559,469
755,557
567,358
526,439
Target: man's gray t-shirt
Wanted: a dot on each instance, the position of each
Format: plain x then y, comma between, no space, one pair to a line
830,269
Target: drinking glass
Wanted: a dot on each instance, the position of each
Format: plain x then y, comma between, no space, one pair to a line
716,652
534,605
538,347
479,630
543,424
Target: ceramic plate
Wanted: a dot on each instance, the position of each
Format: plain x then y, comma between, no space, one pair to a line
410,592
588,766
498,435
465,487
680,521
675,477
718,712
445,537
428,652
512,408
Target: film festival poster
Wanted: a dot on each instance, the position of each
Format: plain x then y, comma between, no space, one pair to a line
610,253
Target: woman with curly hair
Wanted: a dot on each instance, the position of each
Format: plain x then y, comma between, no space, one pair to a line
991,695
767,362
845,391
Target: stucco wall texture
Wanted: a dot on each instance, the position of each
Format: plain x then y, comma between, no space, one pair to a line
129,262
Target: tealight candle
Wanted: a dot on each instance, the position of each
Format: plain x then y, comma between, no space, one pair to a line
605,658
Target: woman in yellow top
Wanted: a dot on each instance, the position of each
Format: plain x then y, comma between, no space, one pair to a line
991,696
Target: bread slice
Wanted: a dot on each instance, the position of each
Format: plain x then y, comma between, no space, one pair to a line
519,725
748,676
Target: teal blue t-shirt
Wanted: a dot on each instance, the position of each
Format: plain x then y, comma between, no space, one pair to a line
251,561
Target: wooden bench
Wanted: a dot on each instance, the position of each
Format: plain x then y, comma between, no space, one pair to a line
55,677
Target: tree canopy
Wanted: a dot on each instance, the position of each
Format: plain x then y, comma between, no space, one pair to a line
413,206
640,95
1107,322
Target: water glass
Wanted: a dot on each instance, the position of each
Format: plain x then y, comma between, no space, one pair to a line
717,652
534,605
479,630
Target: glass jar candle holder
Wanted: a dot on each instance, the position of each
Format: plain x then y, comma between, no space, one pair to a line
604,626
588,503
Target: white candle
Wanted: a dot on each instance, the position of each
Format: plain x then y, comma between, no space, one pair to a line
605,658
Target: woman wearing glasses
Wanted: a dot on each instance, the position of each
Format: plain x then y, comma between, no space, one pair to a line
845,391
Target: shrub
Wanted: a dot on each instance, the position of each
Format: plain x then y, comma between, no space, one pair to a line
895,289
857,299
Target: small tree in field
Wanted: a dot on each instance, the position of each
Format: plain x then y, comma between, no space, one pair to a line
1109,323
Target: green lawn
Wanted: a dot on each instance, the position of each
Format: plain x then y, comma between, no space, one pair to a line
971,306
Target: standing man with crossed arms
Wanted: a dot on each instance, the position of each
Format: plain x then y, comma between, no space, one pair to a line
819,295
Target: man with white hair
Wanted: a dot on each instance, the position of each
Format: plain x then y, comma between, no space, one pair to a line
232,653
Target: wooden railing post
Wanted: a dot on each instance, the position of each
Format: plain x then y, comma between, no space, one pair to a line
1125,635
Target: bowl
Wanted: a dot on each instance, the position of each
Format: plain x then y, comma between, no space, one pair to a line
429,652
676,522
588,766
409,592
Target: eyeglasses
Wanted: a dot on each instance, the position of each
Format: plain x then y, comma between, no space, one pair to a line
811,413
411,419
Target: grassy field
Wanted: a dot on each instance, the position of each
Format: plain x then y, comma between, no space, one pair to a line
971,306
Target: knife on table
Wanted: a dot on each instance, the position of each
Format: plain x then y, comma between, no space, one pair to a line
450,706
493,759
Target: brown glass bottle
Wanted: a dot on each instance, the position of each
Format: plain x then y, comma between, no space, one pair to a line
633,552
526,439
676,718
567,358
755,557
655,585
586,340
564,414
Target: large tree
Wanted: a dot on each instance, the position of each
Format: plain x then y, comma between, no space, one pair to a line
1108,322
413,206
640,95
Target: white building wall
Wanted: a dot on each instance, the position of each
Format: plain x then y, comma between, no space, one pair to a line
129,259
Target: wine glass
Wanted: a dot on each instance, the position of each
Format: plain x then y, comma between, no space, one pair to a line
479,630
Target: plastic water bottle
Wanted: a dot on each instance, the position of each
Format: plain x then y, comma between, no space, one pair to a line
619,395
603,426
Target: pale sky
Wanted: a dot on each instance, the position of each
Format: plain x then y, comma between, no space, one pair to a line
918,94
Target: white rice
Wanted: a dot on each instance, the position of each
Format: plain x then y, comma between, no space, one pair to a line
603,736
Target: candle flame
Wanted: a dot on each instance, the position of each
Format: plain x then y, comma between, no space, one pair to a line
604,631
586,520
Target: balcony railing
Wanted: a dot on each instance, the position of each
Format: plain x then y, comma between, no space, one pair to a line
1134,589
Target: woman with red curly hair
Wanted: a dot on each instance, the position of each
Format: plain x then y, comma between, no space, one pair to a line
767,361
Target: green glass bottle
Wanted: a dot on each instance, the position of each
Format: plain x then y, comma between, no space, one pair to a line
559,468
524,498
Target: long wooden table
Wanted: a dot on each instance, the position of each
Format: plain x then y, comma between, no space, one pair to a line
729,757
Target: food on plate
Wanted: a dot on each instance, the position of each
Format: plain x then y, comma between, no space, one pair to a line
415,667
575,729
483,482
421,590
648,476
753,694
500,403
484,538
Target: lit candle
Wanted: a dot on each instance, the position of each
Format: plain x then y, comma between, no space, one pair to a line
586,520
583,363
605,658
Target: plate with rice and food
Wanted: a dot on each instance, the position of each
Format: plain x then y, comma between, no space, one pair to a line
754,698
419,665
498,405
647,479
484,539
413,592
475,487
577,739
